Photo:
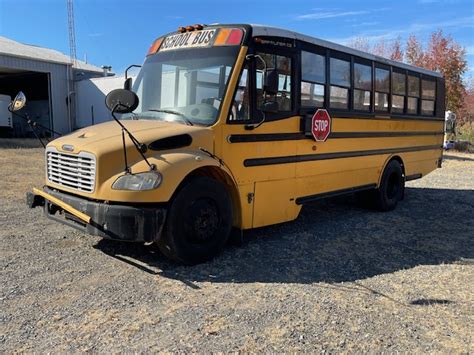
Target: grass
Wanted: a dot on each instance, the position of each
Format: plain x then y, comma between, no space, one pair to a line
22,169
15,143
466,132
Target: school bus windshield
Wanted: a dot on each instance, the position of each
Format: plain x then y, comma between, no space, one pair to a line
185,86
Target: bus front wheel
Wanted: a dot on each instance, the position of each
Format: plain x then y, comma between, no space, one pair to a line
199,222
391,188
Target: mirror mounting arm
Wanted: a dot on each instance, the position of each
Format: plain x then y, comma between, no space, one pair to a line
252,126
140,147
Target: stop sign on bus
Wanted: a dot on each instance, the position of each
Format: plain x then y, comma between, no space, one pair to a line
321,125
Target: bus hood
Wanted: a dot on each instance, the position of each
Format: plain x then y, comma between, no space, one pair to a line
107,137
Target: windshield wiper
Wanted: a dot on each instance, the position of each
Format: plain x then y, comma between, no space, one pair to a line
177,113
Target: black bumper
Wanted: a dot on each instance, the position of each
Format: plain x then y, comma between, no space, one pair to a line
111,221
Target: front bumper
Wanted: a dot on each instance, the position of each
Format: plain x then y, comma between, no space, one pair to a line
111,221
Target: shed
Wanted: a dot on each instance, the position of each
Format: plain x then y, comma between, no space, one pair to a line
48,79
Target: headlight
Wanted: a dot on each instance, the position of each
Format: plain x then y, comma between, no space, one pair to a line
138,182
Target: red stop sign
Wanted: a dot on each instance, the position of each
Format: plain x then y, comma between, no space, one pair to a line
321,125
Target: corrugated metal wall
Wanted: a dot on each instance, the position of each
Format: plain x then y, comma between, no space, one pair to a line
58,86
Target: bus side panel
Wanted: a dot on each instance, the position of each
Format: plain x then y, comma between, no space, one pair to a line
274,203
338,174
421,162
247,193
333,173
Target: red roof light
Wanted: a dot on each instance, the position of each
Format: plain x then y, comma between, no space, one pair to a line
235,37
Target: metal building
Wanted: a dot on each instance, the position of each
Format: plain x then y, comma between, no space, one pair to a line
48,79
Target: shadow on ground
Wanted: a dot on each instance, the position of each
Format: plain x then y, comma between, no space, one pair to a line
333,241
458,158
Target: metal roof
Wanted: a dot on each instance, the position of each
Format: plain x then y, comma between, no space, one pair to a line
262,30
16,49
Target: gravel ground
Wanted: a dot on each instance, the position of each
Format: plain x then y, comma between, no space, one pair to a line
339,279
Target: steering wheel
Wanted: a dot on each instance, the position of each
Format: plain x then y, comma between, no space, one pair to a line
201,112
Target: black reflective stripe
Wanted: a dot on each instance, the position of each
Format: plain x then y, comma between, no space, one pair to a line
305,199
265,137
338,155
383,134
413,177
385,117
274,137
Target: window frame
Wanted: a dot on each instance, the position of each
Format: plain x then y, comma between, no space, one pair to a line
317,51
369,63
345,57
378,65
422,98
298,109
392,93
255,114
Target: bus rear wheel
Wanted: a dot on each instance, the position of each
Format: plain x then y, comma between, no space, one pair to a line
199,222
392,187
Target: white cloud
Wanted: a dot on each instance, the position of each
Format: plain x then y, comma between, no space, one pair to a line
329,14
416,28
365,24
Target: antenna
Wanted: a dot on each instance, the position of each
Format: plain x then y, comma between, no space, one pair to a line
72,31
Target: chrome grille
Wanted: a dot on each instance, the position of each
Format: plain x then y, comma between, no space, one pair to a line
75,171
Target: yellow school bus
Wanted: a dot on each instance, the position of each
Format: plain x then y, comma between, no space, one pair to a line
233,127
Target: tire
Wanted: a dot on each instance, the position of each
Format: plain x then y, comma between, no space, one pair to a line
199,222
392,187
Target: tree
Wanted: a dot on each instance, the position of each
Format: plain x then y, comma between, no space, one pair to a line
360,43
414,51
446,56
466,114
396,52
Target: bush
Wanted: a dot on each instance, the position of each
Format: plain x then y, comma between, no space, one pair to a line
466,132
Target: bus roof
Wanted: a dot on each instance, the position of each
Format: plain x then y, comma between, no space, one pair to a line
261,30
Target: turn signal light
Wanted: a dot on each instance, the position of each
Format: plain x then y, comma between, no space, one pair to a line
229,37
155,46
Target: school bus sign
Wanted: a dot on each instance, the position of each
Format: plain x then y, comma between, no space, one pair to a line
321,125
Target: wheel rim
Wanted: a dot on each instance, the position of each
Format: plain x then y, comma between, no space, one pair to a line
393,186
202,221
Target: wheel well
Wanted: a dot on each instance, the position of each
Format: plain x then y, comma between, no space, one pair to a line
220,175
398,159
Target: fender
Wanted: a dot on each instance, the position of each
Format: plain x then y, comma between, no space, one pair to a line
173,165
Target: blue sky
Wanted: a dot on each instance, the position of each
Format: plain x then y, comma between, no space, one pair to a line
119,32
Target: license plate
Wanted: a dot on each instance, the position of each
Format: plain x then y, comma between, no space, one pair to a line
193,39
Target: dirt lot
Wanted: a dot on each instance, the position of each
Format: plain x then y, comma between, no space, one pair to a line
340,278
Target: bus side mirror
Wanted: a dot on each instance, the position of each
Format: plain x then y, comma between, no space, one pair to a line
18,102
127,85
270,81
121,101
270,107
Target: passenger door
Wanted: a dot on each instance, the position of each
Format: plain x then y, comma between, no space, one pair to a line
267,188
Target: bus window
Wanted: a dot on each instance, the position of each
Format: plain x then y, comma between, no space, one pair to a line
428,95
413,94
240,108
340,83
362,86
399,92
283,66
313,77
382,89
